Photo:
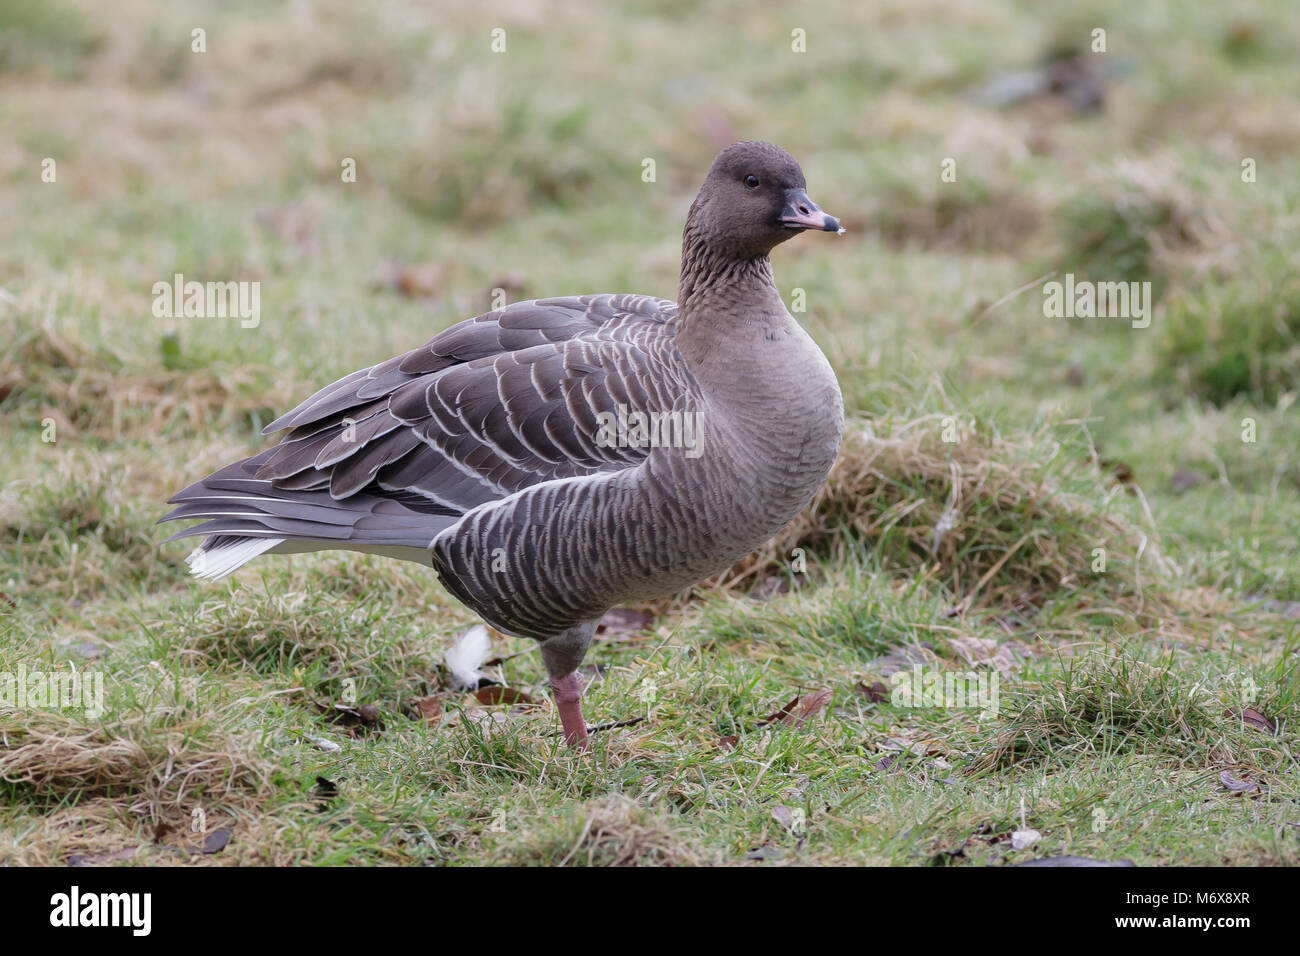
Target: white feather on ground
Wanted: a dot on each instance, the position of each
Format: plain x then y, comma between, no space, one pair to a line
467,656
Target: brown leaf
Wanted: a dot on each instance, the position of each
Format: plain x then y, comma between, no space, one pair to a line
624,620
430,709
216,841
1252,717
1237,786
798,711
874,692
781,714
500,694
365,717
730,742
7,601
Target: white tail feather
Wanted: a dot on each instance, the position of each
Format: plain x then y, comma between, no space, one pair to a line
213,563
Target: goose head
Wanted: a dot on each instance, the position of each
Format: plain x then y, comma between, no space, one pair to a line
753,199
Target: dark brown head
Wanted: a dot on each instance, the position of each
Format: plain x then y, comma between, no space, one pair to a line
753,200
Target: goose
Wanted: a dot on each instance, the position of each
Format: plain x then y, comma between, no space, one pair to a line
554,458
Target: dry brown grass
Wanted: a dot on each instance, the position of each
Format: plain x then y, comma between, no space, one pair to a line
1001,223
1004,522
47,372
52,758
610,831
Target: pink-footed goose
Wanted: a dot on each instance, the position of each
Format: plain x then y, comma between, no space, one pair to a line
508,454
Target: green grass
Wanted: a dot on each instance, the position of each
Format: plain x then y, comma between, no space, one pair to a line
235,705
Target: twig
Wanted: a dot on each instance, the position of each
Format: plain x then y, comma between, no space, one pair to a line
1012,294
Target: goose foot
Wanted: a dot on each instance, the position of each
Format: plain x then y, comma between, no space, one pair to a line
567,692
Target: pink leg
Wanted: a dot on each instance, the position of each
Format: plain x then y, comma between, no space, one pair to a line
567,691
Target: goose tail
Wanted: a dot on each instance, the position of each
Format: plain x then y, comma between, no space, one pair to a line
248,517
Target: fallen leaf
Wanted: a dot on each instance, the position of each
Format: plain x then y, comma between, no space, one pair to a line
430,709
874,692
365,717
217,840
781,714
500,694
1237,786
214,842
798,711
1252,717
328,746
730,742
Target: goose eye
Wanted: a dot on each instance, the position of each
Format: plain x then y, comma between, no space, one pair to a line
751,182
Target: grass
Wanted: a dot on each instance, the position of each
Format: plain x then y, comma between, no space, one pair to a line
1103,517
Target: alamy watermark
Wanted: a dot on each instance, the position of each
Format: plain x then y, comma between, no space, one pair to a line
208,300
52,690
635,429
948,689
1084,299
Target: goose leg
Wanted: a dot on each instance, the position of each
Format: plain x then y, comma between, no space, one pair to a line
567,692
562,654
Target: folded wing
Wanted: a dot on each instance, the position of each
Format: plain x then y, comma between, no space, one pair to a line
389,456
